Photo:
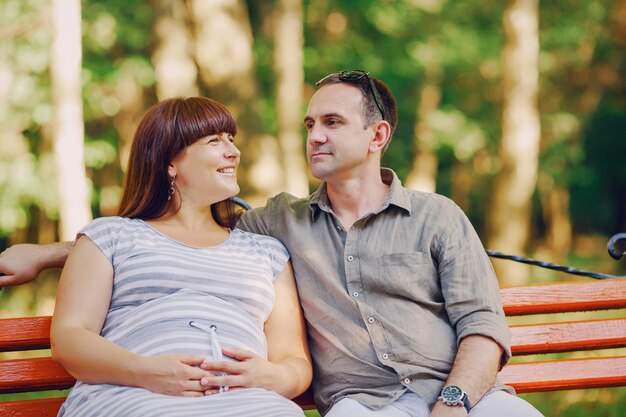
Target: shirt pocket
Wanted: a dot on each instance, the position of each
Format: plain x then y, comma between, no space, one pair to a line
410,275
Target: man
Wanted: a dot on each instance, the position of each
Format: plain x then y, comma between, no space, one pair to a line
401,302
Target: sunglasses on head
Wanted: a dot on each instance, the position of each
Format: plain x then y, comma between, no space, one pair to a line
352,76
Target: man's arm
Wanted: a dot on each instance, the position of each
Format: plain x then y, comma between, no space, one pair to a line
472,301
474,370
256,221
22,263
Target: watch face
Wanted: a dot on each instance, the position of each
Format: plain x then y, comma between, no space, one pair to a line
451,394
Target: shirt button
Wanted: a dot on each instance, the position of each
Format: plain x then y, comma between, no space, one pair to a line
350,258
385,356
370,320
407,380
355,294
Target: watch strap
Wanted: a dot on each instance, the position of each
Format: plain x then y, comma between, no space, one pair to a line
466,402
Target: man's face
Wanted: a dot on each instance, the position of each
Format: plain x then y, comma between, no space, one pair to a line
337,143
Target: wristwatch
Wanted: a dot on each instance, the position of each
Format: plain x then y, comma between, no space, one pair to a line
453,396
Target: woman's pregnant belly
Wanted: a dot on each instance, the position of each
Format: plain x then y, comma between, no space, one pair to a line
162,326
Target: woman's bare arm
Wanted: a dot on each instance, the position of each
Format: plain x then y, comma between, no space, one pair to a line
83,299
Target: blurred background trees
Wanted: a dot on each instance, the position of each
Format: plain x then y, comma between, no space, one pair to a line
516,110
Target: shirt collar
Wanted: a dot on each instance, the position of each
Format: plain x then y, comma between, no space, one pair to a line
397,196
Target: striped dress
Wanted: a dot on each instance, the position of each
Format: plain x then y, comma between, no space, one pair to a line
165,297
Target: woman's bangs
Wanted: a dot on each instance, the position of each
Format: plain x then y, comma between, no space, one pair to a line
205,118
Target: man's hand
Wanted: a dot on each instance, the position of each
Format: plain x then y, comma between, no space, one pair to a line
18,264
251,371
22,263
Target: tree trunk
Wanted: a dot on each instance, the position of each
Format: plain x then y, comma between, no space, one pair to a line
423,174
175,69
223,52
132,108
509,221
555,203
288,66
462,184
68,130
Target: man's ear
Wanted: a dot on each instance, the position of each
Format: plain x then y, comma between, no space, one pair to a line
382,130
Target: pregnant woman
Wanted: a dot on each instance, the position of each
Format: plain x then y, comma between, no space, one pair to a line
146,297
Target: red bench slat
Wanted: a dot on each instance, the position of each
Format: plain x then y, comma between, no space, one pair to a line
558,298
565,374
37,374
25,333
31,408
568,336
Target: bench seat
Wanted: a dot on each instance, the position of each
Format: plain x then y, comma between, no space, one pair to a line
546,335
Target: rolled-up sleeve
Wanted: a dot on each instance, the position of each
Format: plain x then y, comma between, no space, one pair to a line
469,284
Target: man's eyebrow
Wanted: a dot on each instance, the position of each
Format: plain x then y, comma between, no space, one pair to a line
324,116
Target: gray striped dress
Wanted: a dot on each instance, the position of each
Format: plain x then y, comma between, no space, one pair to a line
165,296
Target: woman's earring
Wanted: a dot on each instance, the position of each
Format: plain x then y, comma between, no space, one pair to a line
171,190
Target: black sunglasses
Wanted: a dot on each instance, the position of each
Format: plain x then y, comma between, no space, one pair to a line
352,76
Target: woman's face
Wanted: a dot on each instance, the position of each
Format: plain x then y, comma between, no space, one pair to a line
206,171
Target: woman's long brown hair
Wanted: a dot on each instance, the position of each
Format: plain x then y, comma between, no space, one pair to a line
166,130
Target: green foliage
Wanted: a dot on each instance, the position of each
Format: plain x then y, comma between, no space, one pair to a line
116,46
24,110
402,41
599,191
116,56
606,402
583,110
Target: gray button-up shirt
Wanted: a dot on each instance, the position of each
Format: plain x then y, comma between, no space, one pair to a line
388,301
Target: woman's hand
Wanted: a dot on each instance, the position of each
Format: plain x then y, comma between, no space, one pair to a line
175,374
287,369
250,371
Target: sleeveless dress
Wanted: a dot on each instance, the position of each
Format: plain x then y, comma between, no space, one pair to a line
172,298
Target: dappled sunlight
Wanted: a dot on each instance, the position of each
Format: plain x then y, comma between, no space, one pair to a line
103,31
221,35
336,23
518,116
264,174
32,299
110,199
174,66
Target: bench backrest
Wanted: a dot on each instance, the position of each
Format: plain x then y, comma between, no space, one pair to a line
524,374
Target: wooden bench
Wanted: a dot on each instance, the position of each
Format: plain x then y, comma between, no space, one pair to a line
525,375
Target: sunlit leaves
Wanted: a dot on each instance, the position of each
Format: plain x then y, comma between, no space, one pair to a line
98,153
101,33
24,109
